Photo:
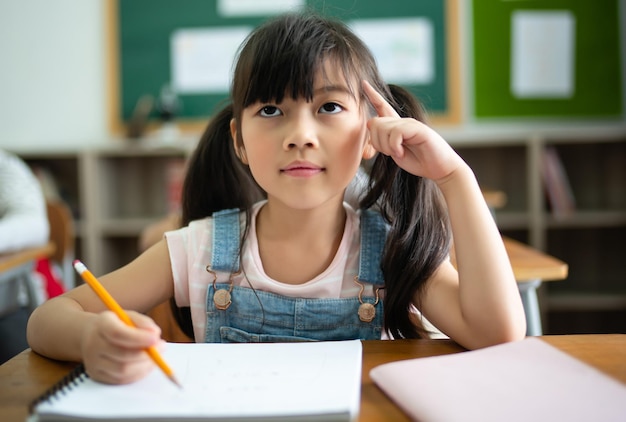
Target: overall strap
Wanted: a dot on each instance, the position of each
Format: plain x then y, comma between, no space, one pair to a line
373,237
226,238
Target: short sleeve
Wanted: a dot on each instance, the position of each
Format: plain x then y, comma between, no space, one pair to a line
188,249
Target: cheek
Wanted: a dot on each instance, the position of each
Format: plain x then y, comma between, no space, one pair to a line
351,151
254,141
355,140
259,153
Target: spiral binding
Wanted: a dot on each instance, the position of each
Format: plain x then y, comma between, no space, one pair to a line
61,387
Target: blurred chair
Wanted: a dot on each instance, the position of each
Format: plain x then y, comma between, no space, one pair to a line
62,234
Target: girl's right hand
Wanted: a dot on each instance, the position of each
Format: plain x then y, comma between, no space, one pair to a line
114,353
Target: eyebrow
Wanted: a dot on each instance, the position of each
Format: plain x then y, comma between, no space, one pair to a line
334,88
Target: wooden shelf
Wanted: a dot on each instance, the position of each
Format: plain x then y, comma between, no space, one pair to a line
594,158
587,219
509,220
587,301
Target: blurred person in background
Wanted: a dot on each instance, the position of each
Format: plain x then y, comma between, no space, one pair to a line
23,224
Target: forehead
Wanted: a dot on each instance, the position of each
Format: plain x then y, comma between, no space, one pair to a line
330,74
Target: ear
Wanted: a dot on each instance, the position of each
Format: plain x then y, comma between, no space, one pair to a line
368,151
239,149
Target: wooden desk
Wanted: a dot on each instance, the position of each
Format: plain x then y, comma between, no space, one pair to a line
13,260
28,375
495,199
531,267
605,352
530,264
16,268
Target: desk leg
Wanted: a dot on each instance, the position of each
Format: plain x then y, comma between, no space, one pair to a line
528,292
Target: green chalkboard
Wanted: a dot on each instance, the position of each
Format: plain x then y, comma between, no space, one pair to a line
596,75
144,28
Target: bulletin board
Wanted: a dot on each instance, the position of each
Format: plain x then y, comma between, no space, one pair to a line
140,33
587,73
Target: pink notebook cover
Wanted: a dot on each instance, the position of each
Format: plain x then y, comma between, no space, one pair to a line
528,380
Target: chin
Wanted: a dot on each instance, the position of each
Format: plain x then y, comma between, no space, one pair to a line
309,202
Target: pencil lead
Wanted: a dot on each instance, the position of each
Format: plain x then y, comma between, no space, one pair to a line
175,381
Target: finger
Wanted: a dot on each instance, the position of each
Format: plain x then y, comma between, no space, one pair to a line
386,136
122,335
144,322
112,372
382,107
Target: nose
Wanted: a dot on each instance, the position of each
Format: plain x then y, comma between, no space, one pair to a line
301,133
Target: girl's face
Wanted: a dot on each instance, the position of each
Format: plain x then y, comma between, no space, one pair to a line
306,153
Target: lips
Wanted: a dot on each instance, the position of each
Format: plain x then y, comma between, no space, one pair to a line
301,169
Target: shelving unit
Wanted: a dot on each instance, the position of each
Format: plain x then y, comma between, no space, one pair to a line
117,191
590,240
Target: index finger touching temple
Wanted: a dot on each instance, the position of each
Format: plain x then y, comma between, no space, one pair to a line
382,107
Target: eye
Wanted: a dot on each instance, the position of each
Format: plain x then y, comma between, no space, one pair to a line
270,111
331,108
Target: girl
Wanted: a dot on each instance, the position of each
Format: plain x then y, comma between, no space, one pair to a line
270,251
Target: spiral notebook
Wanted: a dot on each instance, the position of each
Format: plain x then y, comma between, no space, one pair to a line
318,381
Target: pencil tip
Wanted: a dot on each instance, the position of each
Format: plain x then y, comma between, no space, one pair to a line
175,381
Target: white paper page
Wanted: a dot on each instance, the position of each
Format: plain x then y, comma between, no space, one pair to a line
542,54
202,59
403,48
228,380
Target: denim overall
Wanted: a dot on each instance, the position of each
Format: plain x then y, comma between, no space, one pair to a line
258,316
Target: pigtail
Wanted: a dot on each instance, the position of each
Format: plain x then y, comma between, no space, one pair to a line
419,237
215,180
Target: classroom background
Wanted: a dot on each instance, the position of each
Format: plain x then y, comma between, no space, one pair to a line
531,94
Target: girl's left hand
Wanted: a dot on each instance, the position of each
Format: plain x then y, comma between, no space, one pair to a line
413,145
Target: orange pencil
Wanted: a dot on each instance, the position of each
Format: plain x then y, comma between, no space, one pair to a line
108,300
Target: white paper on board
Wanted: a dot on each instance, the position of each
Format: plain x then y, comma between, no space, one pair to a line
403,47
237,8
202,59
542,54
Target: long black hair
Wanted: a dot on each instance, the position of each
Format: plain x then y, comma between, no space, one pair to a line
281,58
419,237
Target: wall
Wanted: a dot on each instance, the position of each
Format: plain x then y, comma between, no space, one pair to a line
52,74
